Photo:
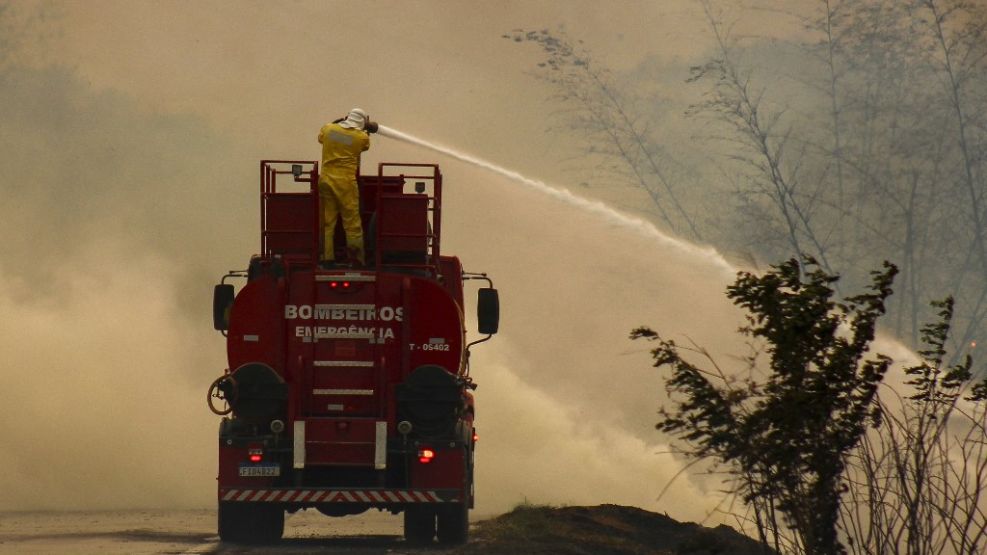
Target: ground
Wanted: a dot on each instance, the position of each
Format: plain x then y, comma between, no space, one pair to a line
604,529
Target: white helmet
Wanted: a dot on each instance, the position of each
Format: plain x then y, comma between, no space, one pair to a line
356,119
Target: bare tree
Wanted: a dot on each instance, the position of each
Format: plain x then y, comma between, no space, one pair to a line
886,160
767,141
594,105
918,484
865,139
889,151
958,47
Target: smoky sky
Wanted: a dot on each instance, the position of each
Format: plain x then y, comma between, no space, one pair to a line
129,142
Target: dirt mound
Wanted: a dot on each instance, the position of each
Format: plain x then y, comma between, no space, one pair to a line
604,529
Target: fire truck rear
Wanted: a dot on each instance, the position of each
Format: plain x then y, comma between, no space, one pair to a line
348,386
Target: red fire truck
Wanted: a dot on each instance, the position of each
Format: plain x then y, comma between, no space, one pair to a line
348,386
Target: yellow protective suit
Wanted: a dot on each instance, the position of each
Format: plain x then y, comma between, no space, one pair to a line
338,191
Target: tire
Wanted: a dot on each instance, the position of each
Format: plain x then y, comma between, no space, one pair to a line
419,525
454,523
250,522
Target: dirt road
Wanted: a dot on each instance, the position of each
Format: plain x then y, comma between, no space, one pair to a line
192,531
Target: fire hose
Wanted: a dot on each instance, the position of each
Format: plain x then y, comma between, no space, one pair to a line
225,389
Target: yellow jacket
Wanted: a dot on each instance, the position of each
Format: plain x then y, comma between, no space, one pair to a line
341,149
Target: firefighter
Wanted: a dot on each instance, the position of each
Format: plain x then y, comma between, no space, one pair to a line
342,143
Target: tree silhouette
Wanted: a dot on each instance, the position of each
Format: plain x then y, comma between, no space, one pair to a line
786,436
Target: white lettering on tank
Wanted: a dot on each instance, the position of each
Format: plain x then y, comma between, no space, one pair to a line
356,313
373,333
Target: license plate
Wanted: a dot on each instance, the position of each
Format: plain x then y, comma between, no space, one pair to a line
261,470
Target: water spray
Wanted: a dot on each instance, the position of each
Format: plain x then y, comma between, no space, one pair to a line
597,207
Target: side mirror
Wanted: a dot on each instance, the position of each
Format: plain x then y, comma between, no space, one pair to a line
487,311
222,302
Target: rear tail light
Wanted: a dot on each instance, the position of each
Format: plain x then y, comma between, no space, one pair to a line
255,455
425,456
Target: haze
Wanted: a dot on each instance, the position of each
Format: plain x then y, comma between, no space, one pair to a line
130,139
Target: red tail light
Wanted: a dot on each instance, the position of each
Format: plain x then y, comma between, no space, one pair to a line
425,456
255,455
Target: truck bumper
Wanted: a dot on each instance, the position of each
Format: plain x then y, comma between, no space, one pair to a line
316,496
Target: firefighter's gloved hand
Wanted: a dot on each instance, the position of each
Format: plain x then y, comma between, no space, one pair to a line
372,126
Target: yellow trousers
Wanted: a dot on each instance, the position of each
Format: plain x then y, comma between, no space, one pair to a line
341,198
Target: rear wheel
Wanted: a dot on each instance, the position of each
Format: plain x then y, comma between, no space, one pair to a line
250,522
453,523
419,524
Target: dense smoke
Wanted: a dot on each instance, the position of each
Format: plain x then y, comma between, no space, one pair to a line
101,407
111,236
111,357
129,188
109,349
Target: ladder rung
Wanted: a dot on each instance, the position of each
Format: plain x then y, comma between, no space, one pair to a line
344,363
343,391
